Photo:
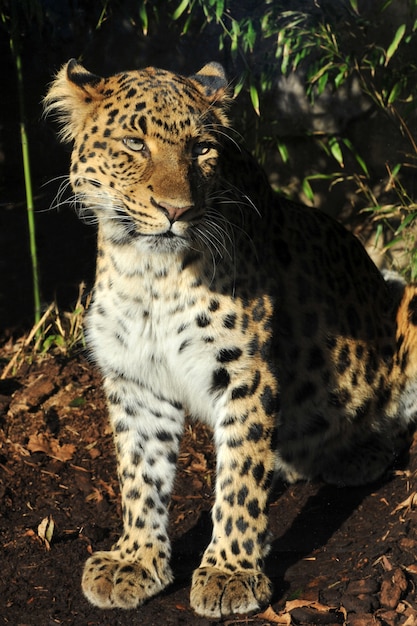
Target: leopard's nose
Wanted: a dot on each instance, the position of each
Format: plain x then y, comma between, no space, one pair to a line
173,213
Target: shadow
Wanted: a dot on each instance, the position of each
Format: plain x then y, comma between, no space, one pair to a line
307,529
188,549
321,516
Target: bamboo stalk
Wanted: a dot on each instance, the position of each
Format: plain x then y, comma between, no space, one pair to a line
28,182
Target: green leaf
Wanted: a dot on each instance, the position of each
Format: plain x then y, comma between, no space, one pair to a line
283,151
379,232
254,96
308,191
395,43
394,93
357,156
181,8
219,9
239,85
336,150
395,170
354,6
76,402
144,18
250,36
409,219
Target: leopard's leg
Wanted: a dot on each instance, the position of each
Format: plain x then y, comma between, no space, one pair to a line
230,578
147,431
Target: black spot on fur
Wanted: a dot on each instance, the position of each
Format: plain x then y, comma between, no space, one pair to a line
258,472
229,321
268,400
202,320
220,379
240,392
228,354
241,525
164,436
343,360
256,432
253,508
143,124
258,312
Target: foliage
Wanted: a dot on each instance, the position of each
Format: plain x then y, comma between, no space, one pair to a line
332,44
328,44
56,332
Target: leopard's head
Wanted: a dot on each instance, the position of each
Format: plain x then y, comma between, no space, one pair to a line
146,147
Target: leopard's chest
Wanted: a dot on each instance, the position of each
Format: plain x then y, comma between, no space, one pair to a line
163,327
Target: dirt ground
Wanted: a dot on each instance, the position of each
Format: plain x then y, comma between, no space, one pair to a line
338,555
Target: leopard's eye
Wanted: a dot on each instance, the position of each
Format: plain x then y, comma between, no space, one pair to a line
135,144
201,149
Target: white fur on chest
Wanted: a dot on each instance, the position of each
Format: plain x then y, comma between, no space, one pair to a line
143,326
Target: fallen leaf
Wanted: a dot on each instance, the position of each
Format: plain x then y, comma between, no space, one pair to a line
46,531
276,618
411,569
311,604
41,442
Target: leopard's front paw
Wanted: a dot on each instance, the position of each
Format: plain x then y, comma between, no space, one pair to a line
216,594
108,582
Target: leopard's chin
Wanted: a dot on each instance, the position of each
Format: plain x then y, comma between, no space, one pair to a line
166,242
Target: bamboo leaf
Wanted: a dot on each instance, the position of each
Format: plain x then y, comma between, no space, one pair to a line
395,43
354,6
336,150
308,191
181,8
219,9
254,96
143,14
283,151
357,156
394,93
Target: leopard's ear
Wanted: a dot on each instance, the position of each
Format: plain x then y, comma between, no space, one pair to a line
212,81
71,96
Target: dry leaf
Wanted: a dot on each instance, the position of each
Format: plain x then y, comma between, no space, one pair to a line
51,446
276,618
311,604
411,619
46,530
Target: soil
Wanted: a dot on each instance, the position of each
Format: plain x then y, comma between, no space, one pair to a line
339,555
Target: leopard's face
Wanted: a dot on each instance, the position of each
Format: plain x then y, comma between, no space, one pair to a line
146,149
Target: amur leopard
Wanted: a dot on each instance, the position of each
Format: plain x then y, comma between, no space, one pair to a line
215,297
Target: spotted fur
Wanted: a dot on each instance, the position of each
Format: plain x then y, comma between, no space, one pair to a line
214,297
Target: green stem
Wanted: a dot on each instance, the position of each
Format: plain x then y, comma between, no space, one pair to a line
28,185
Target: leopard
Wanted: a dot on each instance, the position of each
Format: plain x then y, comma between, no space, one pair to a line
218,299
